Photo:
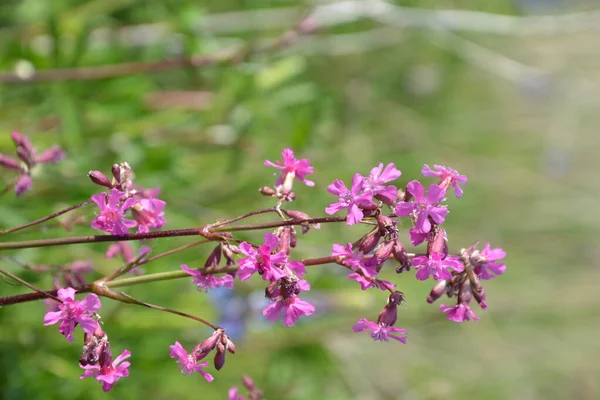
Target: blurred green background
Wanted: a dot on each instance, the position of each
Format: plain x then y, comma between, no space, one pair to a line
511,101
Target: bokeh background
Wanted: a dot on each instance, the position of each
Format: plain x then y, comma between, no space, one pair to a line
506,92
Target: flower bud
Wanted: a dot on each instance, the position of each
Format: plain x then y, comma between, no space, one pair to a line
401,256
301,216
99,179
267,191
25,156
9,162
248,383
437,291
214,258
272,290
368,242
438,244
202,349
384,223
219,360
384,251
116,173
284,235
52,154
465,293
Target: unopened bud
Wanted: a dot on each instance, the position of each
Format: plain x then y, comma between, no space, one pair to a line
384,251
465,293
219,360
248,383
214,258
384,223
25,156
368,242
401,256
301,216
9,162
117,173
206,346
272,290
438,244
284,235
99,179
267,191
437,291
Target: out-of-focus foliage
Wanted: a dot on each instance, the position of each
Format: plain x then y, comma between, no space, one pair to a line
516,113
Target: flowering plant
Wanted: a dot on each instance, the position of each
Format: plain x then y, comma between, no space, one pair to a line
392,215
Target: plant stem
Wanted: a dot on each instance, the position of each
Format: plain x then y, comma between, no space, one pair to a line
203,231
49,217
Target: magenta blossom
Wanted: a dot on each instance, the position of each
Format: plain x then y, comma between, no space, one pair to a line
72,313
292,168
366,283
188,362
423,207
232,394
380,331
352,259
448,176
459,313
208,281
292,306
354,200
27,161
109,374
261,260
111,218
488,268
149,214
376,180
436,265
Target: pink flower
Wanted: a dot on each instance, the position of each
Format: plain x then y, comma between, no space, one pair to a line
71,313
459,313
111,218
286,299
448,176
354,260
376,180
293,308
23,184
291,168
261,260
233,394
366,283
437,265
352,200
423,207
208,281
189,365
488,268
108,374
149,214
380,331
27,154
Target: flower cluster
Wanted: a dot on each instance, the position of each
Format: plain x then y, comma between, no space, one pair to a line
96,359
123,195
192,362
359,199
253,392
394,216
28,159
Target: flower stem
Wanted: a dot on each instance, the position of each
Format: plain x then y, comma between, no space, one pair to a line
41,220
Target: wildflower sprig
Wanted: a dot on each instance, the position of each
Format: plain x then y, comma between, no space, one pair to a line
392,215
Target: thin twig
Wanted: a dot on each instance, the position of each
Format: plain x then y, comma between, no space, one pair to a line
42,220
